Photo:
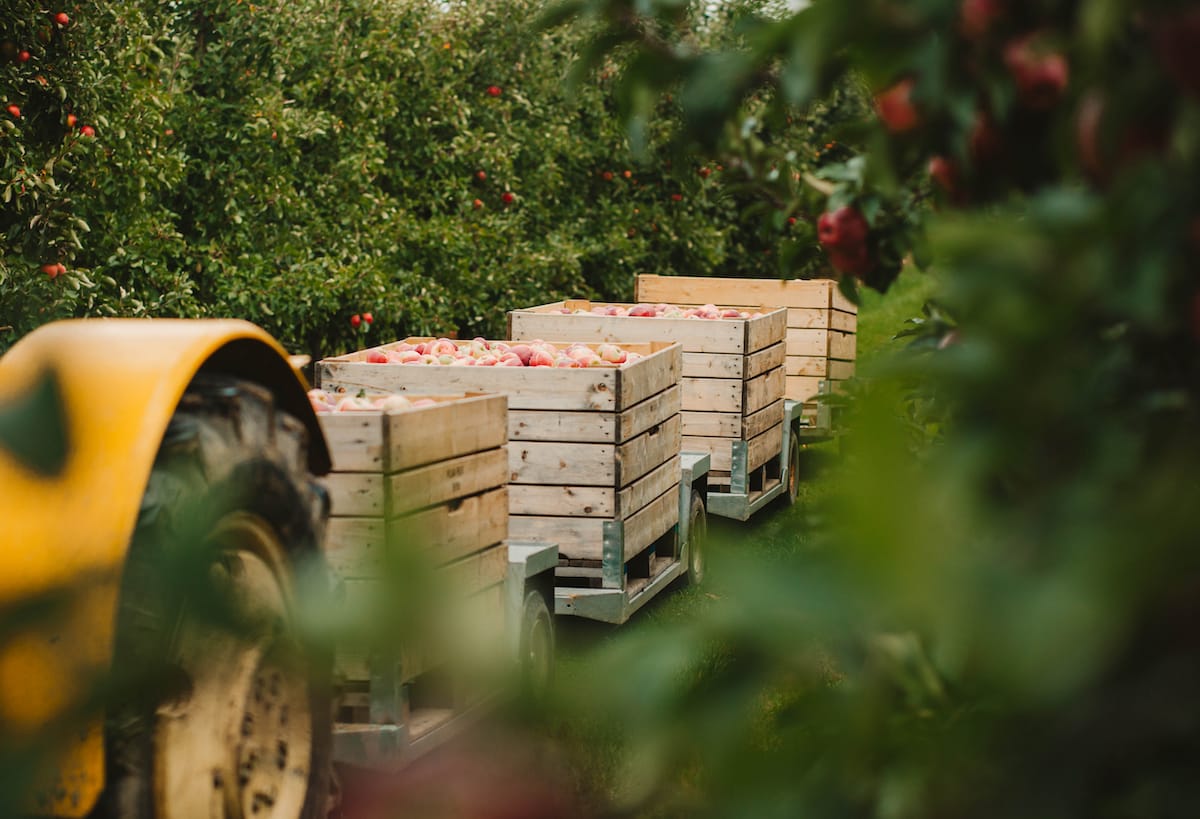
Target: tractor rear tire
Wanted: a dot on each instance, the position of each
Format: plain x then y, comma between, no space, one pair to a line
224,711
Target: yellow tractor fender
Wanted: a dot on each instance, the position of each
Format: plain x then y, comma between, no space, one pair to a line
69,532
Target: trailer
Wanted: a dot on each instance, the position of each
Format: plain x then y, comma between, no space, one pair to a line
594,465
732,382
418,498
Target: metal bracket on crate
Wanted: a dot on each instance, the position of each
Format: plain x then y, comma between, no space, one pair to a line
612,570
739,477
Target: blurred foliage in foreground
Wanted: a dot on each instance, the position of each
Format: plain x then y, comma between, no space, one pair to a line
999,617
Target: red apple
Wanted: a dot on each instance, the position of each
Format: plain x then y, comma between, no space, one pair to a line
50,270
856,261
842,228
704,172
477,204
944,172
24,56
976,17
368,318
14,111
1041,74
71,120
480,175
540,358
377,357
494,91
607,176
62,19
896,108
88,131
507,198
676,197
355,320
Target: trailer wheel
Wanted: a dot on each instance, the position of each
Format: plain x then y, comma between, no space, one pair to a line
536,645
697,541
793,478
227,713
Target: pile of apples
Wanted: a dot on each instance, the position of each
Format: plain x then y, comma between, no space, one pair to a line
660,310
323,401
481,353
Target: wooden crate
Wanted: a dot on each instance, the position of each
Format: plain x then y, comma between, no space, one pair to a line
821,322
423,488
732,379
591,449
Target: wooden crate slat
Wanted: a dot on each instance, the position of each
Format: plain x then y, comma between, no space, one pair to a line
446,480
712,424
576,501
733,365
593,427
561,388
648,376
763,390
354,542
372,441
808,342
451,531
711,395
741,292
696,335
355,494
802,387
841,370
759,449
764,419
547,462
583,538
476,572
592,501
645,452
841,320
764,332
812,365
842,345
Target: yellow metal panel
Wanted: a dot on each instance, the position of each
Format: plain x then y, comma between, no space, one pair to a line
121,381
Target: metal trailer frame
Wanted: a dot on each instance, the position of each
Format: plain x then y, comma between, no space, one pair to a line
389,740
740,502
616,605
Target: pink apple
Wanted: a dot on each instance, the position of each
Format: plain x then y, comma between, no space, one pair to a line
641,310
377,357
540,358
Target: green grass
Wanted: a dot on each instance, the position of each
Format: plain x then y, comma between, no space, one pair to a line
882,315
594,745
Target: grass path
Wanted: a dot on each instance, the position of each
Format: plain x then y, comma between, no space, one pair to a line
773,535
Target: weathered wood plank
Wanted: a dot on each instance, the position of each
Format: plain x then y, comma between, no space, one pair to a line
843,345
583,538
722,365
371,441
759,450
711,395
593,427
453,530
546,462
696,335
841,370
802,387
590,388
592,501
647,451
443,481
764,419
355,494
812,365
763,390
740,292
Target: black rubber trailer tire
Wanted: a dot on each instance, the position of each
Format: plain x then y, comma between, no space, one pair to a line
536,646
792,490
223,710
697,558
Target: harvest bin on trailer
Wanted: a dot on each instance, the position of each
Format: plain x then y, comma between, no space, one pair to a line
594,465
425,488
821,323
732,383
